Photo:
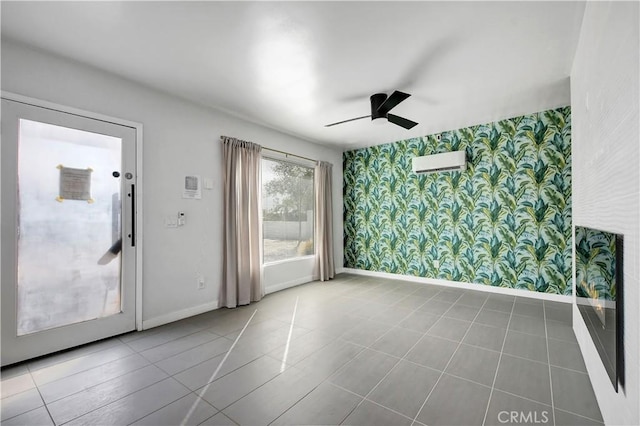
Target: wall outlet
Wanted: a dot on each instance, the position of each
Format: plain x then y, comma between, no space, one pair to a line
436,263
200,282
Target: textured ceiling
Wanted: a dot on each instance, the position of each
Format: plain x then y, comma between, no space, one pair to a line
296,66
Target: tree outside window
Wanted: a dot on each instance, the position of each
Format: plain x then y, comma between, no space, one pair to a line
288,209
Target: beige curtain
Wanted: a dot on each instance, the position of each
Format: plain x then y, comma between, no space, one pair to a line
324,222
241,269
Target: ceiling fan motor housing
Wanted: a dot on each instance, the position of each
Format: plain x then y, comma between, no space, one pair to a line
376,101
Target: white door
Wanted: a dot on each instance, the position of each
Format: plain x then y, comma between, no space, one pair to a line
68,230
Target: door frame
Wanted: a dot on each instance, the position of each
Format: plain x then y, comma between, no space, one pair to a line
139,178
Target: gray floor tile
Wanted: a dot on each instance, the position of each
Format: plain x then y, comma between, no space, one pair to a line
507,409
444,404
333,324
166,335
364,372
502,297
426,291
325,405
135,406
556,305
188,410
20,403
405,388
389,298
411,302
366,333
526,346
271,400
195,356
435,307
528,309
407,287
564,418
69,385
258,329
76,365
179,345
561,314
485,336
566,355
302,347
397,341
37,417
473,299
392,315
210,370
230,388
432,352
450,328
232,322
497,304
370,310
419,321
98,396
370,414
218,420
447,295
493,318
81,351
16,384
462,312
528,325
475,364
561,331
572,392
525,378
270,341
329,359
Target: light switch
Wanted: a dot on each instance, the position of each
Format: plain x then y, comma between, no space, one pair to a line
170,222
208,183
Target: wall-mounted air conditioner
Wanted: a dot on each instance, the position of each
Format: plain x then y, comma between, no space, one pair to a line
455,161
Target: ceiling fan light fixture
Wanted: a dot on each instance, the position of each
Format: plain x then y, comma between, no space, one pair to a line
381,104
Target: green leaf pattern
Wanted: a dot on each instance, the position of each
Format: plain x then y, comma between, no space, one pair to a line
595,264
505,221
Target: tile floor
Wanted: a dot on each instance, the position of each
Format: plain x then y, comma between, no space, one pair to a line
360,351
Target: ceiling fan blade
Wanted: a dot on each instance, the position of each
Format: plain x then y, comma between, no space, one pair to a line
393,100
401,121
346,121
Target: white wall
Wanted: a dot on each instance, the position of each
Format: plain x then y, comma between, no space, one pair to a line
180,138
606,176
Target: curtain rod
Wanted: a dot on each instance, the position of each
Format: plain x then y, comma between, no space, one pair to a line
288,154
282,152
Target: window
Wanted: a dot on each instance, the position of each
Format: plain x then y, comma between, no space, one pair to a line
287,210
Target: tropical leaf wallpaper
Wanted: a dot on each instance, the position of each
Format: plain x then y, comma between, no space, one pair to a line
505,221
595,264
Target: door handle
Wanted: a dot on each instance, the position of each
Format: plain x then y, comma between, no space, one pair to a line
132,235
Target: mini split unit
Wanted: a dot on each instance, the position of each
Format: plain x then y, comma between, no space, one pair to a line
455,161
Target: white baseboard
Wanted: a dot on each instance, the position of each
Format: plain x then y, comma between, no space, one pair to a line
281,286
178,315
467,286
340,270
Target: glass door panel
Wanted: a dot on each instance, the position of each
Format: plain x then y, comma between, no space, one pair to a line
62,278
